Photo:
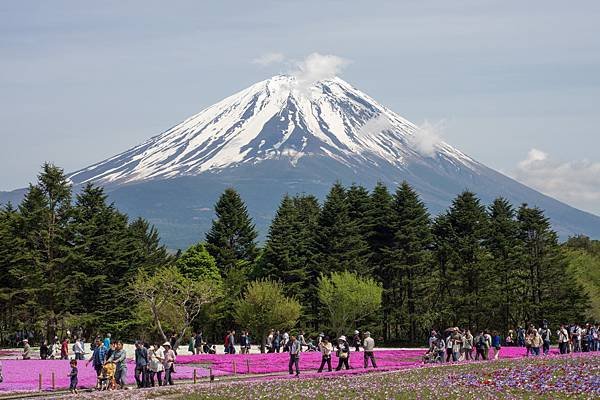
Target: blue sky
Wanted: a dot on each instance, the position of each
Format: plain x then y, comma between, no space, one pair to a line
81,81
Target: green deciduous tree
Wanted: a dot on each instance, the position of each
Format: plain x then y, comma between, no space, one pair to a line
348,299
265,307
171,299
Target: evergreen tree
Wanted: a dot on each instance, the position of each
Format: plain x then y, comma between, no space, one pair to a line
196,263
232,237
359,205
459,236
409,259
102,254
43,266
552,293
339,243
505,278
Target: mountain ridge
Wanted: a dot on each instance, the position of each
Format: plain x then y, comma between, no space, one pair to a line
283,136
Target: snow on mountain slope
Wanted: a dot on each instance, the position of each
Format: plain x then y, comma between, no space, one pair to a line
276,119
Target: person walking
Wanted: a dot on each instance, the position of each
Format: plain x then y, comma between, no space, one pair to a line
496,344
168,363
343,353
64,349
231,342
26,350
545,333
302,340
78,349
449,344
198,342
192,343
457,343
277,342
369,346
295,347
468,345
119,357
107,341
563,339
479,346
356,341
155,366
326,348
440,348
73,377
98,357
44,350
141,365
536,343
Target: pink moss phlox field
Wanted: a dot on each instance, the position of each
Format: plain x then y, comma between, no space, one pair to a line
20,375
278,362
23,375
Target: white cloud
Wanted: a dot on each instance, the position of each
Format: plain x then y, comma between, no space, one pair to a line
574,182
427,137
269,59
316,67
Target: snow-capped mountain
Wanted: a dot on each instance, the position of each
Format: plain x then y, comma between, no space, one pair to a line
276,119
285,135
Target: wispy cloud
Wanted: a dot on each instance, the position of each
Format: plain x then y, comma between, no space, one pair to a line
574,182
316,67
427,137
268,59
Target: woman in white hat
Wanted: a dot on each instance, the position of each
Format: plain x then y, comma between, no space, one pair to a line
155,368
343,353
168,362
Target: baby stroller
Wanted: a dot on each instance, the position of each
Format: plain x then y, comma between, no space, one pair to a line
106,379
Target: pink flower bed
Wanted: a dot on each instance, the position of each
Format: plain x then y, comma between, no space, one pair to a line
224,364
20,375
23,375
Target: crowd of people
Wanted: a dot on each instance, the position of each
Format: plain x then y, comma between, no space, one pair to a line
155,363
457,344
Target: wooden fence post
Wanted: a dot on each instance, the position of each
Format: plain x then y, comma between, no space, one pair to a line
53,381
234,368
248,366
40,382
195,377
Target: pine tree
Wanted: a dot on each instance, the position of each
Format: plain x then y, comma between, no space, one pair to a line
410,257
552,293
196,263
380,238
232,237
44,264
459,243
102,252
339,243
505,279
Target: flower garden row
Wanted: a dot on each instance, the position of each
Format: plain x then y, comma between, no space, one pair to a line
553,377
20,375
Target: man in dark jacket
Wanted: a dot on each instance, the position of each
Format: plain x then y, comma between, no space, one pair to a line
141,365
98,356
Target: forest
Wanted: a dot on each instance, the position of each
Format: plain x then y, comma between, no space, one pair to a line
361,259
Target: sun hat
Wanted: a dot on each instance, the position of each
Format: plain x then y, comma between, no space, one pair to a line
342,338
367,333
356,332
165,344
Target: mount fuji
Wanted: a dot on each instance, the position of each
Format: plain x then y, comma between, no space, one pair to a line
288,135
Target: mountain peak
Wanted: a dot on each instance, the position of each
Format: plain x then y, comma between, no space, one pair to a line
285,117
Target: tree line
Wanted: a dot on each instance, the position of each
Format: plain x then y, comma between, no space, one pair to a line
362,259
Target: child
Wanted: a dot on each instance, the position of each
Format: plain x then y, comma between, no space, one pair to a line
73,376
